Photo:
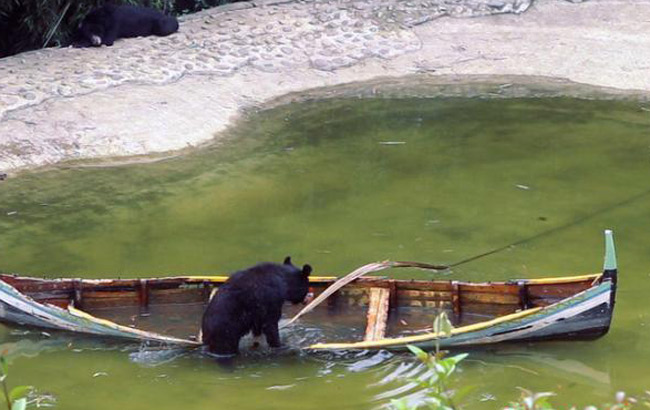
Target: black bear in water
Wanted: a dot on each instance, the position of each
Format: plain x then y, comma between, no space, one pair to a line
251,300
107,23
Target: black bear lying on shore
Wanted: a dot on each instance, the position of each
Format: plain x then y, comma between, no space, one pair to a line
106,24
251,300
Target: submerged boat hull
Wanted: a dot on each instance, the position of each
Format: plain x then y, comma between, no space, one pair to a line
584,316
565,308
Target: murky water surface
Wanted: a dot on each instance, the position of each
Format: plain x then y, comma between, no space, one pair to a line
339,184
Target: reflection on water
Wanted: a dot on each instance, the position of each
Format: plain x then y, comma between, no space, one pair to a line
338,184
392,375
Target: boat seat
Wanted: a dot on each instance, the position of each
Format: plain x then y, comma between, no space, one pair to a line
377,314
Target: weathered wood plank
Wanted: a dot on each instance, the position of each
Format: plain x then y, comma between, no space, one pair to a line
488,298
455,298
438,304
490,310
110,294
164,296
394,297
143,295
78,294
424,295
559,291
377,313
524,301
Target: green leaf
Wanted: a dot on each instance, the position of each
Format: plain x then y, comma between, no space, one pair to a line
433,380
434,403
442,324
419,353
451,369
5,366
425,384
18,392
400,404
445,367
20,404
456,359
545,405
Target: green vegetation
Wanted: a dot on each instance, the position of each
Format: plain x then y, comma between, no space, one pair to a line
541,401
441,396
441,368
15,398
21,397
33,24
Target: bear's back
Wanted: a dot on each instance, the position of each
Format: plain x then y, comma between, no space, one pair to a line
262,283
269,274
251,300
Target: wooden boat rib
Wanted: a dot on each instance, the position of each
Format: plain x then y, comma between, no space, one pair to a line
569,308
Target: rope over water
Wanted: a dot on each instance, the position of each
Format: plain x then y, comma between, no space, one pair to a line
357,273
378,266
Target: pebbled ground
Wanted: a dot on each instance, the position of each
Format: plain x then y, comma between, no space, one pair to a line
156,95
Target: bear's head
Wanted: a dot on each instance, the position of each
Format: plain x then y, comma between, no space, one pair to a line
297,281
93,26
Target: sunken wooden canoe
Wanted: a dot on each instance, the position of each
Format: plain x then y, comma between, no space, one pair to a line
383,313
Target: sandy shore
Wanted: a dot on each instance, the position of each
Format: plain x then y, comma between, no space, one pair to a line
161,95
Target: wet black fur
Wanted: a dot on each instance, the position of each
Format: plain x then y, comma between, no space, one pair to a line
106,24
251,300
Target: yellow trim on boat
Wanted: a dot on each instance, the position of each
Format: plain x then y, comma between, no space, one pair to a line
202,278
135,331
314,279
565,279
427,336
80,313
320,279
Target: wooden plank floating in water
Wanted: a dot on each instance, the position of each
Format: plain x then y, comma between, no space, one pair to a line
377,313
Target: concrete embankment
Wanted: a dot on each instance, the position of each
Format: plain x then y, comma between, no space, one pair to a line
160,95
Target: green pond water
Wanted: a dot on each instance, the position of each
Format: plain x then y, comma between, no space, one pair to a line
337,184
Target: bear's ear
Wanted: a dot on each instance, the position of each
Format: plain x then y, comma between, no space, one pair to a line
306,270
287,260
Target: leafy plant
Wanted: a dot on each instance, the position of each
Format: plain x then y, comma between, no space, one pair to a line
441,368
531,401
441,397
15,398
540,401
442,326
